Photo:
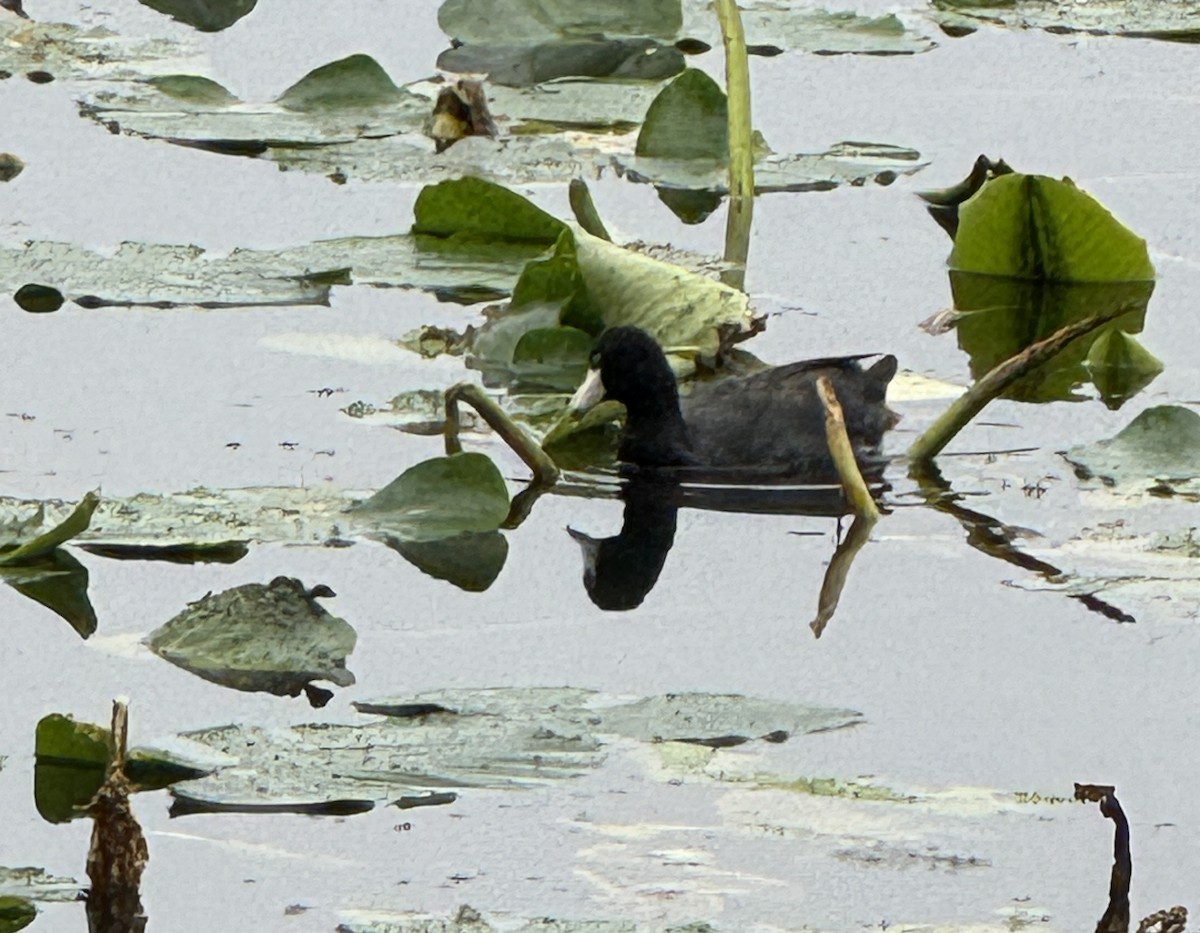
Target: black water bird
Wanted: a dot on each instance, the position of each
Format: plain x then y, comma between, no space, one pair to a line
770,423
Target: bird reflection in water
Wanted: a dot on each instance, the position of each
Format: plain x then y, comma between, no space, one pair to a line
621,570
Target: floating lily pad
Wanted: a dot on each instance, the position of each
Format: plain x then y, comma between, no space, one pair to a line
460,739
467,919
350,83
71,760
340,102
10,166
1032,254
528,21
38,299
205,15
275,639
193,89
777,24
37,885
471,209
439,498
218,552
1177,21
24,542
678,307
585,277
528,65
998,317
158,276
846,163
284,514
16,913
1034,227
1120,367
689,119
556,357
1159,448
68,51
559,281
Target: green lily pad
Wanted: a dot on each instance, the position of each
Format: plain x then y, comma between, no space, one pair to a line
552,357
439,498
689,119
71,760
19,546
340,102
204,15
1034,227
216,552
473,209
528,21
16,913
38,299
1032,254
355,82
61,738
193,89
999,317
10,166
558,280
1159,448
60,583
528,65
1178,21
471,561
678,307
275,639
786,26
1120,367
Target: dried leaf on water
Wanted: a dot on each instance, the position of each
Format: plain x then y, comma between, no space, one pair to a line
777,25
458,739
1177,21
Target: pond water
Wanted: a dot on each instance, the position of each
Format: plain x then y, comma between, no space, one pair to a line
980,684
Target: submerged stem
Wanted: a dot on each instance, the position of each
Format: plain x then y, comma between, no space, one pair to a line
544,469
741,145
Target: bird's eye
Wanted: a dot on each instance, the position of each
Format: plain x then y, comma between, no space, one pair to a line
594,359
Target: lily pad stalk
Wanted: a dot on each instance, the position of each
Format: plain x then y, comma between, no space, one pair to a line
741,146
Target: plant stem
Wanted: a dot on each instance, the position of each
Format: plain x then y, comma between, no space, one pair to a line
842,452
973,401
544,469
741,146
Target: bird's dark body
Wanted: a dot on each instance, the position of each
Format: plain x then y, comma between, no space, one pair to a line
768,422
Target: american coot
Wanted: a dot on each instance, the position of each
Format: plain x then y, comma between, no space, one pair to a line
771,422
